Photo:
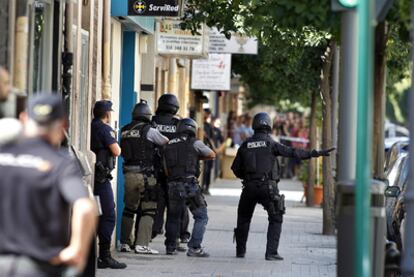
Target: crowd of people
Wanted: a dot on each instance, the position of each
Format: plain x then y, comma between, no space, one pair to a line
288,128
291,129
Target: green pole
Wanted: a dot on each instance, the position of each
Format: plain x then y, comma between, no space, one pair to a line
364,135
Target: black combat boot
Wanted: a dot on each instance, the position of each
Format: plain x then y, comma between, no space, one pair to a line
105,259
240,243
273,257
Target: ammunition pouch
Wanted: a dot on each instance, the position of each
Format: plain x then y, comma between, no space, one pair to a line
150,192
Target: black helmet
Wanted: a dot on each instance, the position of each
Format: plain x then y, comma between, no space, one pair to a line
168,103
142,111
187,125
262,121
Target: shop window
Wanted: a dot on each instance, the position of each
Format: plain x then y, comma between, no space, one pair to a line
83,91
41,43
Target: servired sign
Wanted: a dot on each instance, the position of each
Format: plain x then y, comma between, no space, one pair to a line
164,8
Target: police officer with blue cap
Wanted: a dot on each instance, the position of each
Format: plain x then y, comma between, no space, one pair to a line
106,149
46,217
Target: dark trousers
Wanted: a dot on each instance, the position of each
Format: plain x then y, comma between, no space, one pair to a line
253,193
208,166
180,195
107,220
159,218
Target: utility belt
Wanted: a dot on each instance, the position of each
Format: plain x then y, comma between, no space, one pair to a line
146,170
189,179
256,178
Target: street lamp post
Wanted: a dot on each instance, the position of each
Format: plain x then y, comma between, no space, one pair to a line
364,135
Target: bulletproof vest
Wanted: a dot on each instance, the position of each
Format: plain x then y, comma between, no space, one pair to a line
136,148
259,161
166,124
181,158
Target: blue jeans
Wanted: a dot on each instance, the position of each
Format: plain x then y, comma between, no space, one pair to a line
180,195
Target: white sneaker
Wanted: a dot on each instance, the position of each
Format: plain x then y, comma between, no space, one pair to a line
145,250
125,248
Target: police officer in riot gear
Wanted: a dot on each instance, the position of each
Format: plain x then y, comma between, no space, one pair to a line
181,158
166,122
106,149
138,143
257,165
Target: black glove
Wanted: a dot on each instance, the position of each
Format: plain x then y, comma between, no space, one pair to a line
326,153
316,153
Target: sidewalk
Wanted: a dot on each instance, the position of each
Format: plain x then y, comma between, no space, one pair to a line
306,251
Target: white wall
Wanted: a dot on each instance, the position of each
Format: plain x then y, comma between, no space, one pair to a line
116,55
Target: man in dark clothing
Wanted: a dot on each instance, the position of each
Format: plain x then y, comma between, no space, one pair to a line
208,140
106,149
138,143
257,165
181,158
166,122
40,187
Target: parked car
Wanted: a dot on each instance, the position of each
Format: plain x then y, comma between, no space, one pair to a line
397,177
393,148
394,130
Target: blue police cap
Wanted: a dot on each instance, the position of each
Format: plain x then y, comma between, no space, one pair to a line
103,106
46,108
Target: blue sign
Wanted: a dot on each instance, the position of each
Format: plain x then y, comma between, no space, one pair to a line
120,8
169,8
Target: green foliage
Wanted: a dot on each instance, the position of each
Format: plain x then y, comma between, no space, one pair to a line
398,62
399,18
280,71
293,36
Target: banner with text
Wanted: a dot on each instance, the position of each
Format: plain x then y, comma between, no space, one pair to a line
212,73
237,44
172,40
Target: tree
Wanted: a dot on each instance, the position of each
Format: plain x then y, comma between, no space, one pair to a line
294,36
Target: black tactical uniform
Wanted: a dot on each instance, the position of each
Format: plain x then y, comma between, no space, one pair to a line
257,165
138,143
166,122
181,157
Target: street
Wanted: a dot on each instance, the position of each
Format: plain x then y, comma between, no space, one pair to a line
306,251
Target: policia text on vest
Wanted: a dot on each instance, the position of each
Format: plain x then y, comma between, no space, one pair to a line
257,165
